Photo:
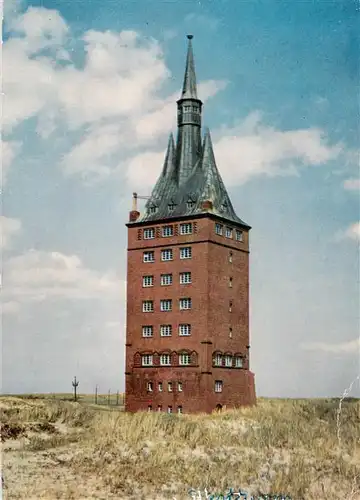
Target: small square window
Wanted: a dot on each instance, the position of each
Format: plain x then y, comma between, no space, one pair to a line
190,204
218,386
228,232
184,359
170,387
147,360
166,255
166,305
228,361
167,231
239,362
165,360
160,387
185,253
239,235
179,410
184,330
166,279
180,387
148,256
185,278
148,281
165,330
219,229
147,331
149,233
185,304
148,306
186,228
171,207
169,409
150,387
152,209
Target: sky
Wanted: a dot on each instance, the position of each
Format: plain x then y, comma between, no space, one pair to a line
89,99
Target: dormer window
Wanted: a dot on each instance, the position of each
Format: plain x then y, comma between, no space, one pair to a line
171,206
224,207
190,203
152,209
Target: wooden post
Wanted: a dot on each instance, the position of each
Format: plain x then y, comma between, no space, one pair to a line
96,394
75,384
109,397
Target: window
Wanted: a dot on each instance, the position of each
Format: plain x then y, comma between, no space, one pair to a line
170,386
230,256
148,281
229,232
148,256
218,229
149,233
239,235
218,386
230,305
167,231
185,253
185,278
147,360
166,279
238,362
159,408
190,204
230,282
149,408
180,387
186,228
218,360
147,331
228,361
171,207
169,409
166,305
160,387
230,333
184,359
150,387
185,304
166,254
152,209
165,330
165,360
148,306
184,330
179,410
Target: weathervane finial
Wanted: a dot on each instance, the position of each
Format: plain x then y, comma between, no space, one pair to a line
190,36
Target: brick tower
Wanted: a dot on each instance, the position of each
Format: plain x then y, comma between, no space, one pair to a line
187,338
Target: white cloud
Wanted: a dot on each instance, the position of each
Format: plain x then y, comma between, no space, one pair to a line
352,184
37,276
10,307
351,346
9,150
9,229
353,231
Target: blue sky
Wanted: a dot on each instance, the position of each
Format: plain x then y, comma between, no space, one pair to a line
90,90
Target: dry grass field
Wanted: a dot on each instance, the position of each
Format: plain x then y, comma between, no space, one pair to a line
62,450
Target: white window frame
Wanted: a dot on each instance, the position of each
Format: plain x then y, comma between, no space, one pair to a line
149,408
147,331
167,231
168,302
219,229
239,362
169,409
160,386
165,360
167,254
166,279
150,387
218,360
230,332
230,282
180,387
218,386
165,330
186,228
170,387
149,233
149,256
184,359
230,256
148,281
159,408
184,327
147,360
228,232
185,278
185,253
239,235
148,306
228,361
179,410
185,304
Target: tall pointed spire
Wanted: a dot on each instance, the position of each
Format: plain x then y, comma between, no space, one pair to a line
189,88
162,182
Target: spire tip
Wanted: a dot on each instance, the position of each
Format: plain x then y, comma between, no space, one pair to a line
190,37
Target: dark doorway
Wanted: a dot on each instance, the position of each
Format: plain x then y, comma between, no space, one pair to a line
218,407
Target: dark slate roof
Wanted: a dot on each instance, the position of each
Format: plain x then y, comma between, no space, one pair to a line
180,193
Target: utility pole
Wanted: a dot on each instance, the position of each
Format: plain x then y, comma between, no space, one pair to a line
75,384
109,397
96,394
117,398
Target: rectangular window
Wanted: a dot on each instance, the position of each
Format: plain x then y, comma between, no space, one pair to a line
230,333
230,306
147,360
230,256
184,359
166,279
218,360
229,232
165,360
185,253
239,235
149,408
218,229
238,362
148,306
160,387
185,304
150,387
228,361
169,409
218,386
149,233
166,254
180,386
147,331
167,231
185,278
149,257
184,330
148,281
170,387
179,410
159,408
186,228
230,282
166,305
165,330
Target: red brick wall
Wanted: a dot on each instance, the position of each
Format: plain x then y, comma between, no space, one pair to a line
210,318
